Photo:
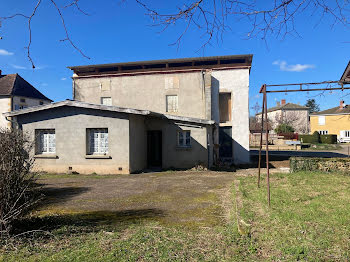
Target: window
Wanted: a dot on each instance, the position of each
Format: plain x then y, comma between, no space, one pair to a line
171,103
17,107
184,138
321,120
107,101
45,141
97,141
225,107
41,103
323,132
345,133
22,100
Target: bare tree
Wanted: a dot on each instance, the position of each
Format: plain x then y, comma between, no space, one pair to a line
17,184
214,17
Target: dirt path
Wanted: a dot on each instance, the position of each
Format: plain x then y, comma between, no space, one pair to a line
181,198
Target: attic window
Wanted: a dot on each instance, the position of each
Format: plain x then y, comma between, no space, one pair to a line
41,103
22,100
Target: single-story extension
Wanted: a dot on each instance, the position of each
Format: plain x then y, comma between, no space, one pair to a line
92,138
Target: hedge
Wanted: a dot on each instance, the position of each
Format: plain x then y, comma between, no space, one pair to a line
328,139
308,139
323,164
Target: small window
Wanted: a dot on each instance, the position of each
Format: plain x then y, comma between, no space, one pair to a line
22,100
171,103
321,120
345,133
41,103
45,141
323,132
97,139
184,138
107,101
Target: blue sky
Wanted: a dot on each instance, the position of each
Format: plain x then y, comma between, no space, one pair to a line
121,32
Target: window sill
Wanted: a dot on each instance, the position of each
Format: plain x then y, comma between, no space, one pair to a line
183,147
47,156
98,157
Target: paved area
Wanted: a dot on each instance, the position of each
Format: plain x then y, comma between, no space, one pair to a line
185,198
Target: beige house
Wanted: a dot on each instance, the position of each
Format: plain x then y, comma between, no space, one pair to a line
127,117
292,114
16,93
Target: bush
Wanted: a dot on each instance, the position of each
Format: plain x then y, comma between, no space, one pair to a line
17,185
284,128
328,139
316,137
310,139
339,165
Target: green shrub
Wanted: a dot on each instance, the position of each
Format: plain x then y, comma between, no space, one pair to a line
316,136
310,139
340,165
284,128
328,139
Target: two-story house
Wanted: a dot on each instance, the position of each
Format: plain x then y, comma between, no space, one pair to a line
16,93
126,117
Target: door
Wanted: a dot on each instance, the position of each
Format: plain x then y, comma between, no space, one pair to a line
225,141
154,148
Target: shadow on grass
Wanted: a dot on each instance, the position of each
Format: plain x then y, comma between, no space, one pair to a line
54,195
85,222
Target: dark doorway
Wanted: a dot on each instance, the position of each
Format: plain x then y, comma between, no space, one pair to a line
154,148
225,141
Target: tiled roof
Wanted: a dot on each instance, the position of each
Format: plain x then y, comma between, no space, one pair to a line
334,111
14,84
288,106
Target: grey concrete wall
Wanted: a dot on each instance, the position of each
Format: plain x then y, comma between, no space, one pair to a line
70,126
147,92
28,101
138,143
236,82
5,106
174,156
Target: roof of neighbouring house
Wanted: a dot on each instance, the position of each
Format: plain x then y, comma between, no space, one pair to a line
287,106
73,103
346,75
334,111
210,62
14,84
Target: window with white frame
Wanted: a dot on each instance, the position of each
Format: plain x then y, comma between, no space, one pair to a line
323,132
107,101
45,141
321,120
184,138
172,104
97,139
345,133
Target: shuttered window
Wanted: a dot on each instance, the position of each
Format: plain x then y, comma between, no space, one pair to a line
321,120
107,101
172,103
184,138
97,141
45,141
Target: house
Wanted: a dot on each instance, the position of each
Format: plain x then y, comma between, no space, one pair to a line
292,114
16,93
345,78
127,117
333,121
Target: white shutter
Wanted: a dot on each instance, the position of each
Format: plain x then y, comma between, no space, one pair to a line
321,120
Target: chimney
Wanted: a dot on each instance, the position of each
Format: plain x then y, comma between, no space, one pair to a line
341,104
283,102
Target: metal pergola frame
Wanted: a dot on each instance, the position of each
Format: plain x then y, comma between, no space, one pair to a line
341,85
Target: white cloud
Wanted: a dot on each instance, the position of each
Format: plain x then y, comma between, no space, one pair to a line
292,68
5,52
18,67
63,78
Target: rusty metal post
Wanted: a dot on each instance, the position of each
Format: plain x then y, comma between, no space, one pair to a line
267,149
261,137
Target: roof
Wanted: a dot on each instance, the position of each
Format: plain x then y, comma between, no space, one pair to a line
287,106
167,64
79,104
346,75
334,111
14,84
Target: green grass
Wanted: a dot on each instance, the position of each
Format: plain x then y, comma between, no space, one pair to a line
308,219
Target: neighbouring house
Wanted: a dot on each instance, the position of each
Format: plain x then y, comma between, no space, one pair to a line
333,121
127,117
292,114
16,93
345,78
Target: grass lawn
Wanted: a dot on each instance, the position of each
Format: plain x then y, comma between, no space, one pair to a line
309,220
